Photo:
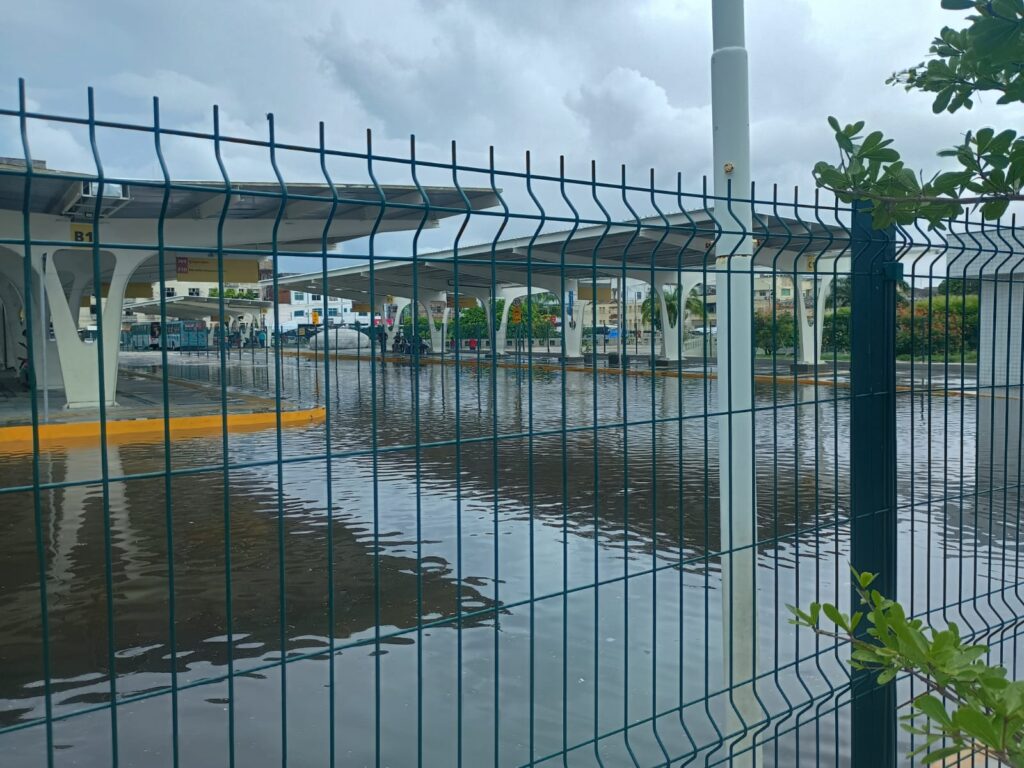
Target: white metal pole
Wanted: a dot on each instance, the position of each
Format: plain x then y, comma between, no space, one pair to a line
45,327
730,115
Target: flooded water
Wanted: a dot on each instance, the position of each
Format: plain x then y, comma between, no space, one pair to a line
455,537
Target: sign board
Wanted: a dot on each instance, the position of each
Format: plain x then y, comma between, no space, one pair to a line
586,293
465,302
132,291
360,308
204,270
81,232
316,317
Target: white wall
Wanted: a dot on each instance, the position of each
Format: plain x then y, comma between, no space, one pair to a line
1000,333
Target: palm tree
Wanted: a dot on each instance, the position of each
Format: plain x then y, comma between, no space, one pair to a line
650,312
839,296
842,291
694,306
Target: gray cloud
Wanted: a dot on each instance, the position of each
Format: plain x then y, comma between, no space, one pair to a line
610,81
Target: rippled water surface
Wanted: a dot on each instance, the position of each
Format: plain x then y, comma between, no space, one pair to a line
460,569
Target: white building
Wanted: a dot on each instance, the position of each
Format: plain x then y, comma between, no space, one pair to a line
302,307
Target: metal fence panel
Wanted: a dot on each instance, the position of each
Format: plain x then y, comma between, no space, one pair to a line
482,541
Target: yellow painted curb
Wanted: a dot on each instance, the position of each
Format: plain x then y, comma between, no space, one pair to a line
17,438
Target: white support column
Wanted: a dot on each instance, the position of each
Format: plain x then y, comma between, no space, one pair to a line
501,334
687,282
510,294
444,326
730,117
811,329
78,286
435,332
400,303
572,321
10,342
483,296
670,333
47,377
81,390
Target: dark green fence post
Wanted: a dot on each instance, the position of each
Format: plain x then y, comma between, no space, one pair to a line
873,464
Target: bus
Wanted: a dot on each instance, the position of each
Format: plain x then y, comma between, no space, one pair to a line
179,335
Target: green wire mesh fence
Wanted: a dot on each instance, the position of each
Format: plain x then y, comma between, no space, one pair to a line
543,501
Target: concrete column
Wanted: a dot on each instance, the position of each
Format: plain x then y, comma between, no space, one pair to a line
10,341
425,305
572,321
488,307
510,294
811,330
82,389
672,335
400,303
665,282
483,296
436,335
444,326
48,376
81,282
501,334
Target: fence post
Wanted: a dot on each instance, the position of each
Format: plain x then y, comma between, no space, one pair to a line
874,271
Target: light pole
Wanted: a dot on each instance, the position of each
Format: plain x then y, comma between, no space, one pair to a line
730,117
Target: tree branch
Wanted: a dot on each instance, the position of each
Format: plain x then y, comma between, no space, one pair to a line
924,199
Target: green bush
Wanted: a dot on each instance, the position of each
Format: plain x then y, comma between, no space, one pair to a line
772,334
967,707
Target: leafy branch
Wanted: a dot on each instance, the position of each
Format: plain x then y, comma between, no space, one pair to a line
967,705
985,56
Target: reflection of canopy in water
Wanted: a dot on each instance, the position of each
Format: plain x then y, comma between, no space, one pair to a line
803,497
139,562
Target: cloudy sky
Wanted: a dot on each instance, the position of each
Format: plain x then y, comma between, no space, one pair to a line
616,82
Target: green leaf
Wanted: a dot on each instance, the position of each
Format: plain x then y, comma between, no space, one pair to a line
942,100
975,724
835,124
872,140
933,707
886,676
957,5
834,615
994,209
944,752
885,155
983,138
1001,143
